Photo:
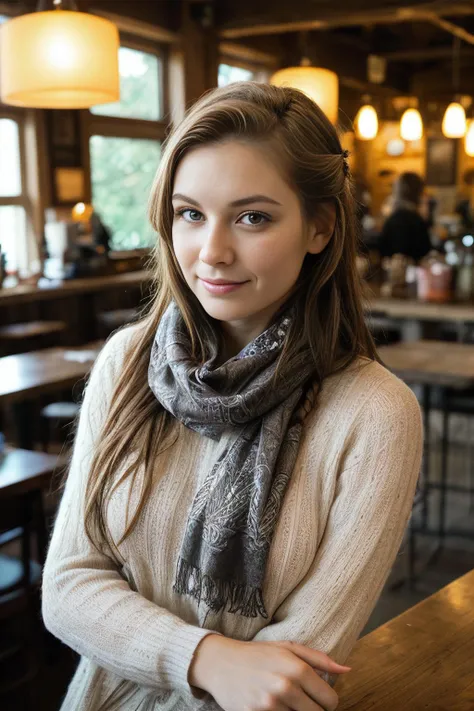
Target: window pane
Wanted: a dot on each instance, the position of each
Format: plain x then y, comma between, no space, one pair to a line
228,74
10,175
13,235
122,171
140,74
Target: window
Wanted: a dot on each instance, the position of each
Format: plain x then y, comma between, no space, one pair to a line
13,222
139,87
122,171
125,147
229,74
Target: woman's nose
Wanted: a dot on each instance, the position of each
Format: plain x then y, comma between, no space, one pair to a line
217,246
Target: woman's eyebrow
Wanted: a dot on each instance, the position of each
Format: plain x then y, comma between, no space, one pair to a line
185,198
253,198
237,203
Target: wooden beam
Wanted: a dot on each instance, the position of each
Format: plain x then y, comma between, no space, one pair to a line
328,20
407,55
455,30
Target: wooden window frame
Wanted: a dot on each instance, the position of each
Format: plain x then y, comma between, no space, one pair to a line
124,127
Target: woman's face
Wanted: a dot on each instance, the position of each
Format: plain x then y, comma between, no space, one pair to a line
239,234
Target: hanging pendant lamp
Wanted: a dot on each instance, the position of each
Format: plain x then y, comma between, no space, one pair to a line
366,122
469,140
411,125
321,85
454,120
59,58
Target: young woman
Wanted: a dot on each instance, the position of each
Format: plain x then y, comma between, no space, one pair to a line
244,468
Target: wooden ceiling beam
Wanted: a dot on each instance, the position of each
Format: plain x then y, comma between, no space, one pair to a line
450,27
425,54
326,21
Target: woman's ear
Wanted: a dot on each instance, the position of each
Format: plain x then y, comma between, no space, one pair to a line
322,227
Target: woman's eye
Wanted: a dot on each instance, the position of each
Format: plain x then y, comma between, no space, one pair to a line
255,219
190,215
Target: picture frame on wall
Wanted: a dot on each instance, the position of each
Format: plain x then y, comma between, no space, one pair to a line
441,161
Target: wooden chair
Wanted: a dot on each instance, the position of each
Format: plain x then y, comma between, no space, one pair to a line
109,321
20,579
57,415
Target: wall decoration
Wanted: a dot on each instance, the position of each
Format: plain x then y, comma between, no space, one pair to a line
441,161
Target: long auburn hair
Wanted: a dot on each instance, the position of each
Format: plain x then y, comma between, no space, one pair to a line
327,297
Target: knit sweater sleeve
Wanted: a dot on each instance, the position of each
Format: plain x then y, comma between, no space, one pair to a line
372,503
86,601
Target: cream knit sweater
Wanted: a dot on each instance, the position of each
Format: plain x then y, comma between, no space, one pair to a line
339,530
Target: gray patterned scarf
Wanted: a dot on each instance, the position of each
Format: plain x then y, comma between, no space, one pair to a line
233,515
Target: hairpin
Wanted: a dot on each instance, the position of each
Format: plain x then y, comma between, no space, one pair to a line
345,164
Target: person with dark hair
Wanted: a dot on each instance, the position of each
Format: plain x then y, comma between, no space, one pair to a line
405,231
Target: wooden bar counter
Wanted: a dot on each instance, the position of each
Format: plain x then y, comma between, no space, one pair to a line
78,303
423,659
56,289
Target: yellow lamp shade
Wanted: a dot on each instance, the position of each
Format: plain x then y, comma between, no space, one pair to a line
454,121
411,125
366,123
59,60
321,85
469,140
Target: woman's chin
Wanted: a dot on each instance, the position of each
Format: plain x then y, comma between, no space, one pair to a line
225,311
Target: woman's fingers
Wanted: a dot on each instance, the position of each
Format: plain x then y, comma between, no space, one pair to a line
315,658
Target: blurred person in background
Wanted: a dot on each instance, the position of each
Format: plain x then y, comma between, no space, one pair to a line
405,231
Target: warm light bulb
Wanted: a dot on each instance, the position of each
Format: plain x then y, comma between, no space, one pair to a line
469,140
454,121
411,125
367,123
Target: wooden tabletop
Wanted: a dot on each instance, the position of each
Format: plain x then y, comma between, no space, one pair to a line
22,471
422,659
48,370
433,362
424,311
54,289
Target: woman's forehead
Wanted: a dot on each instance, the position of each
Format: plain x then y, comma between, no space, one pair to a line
231,167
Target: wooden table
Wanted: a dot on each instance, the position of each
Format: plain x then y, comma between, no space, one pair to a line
61,288
434,362
23,471
449,367
48,370
422,659
425,311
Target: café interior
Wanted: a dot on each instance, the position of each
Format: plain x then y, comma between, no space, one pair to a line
88,93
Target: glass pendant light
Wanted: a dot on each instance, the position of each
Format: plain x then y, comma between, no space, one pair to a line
454,120
469,140
321,85
59,58
366,122
411,125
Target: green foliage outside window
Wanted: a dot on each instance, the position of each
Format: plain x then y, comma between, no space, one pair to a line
122,172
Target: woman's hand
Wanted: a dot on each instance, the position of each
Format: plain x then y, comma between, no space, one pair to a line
263,676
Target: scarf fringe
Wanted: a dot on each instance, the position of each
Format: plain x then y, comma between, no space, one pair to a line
217,594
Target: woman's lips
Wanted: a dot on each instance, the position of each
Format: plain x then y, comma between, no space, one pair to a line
222,288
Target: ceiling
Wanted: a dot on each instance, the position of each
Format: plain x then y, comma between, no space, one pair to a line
416,39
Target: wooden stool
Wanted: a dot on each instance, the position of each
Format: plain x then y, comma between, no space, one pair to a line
22,337
58,414
109,321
